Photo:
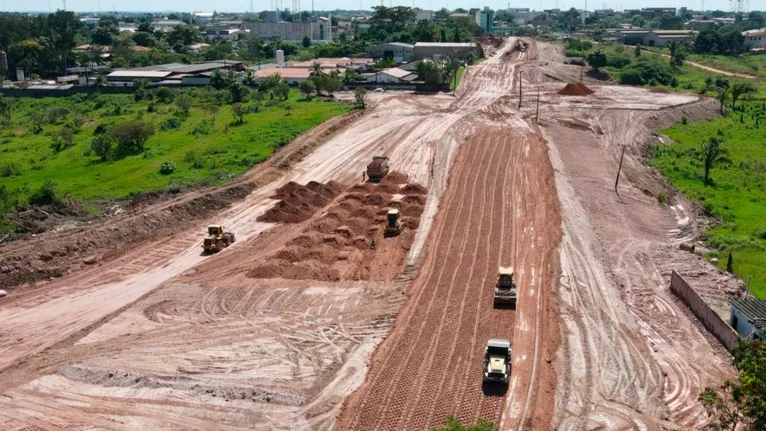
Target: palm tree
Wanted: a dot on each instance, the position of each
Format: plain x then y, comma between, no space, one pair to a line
712,153
723,93
738,89
316,69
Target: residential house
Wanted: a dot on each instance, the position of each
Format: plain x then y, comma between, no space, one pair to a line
393,75
755,38
748,318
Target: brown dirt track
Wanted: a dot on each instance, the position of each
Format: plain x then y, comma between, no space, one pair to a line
499,210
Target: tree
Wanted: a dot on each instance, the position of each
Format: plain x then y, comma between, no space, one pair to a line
730,264
183,35
597,59
239,93
306,87
738,89
131,135
102,146
712,153
184,103
211,108
105,32
221,79
359,93
63,140
637,51
742,402
331,82
723,93
429,72
282,90
145,39
677,55
239,110
306,42
39,118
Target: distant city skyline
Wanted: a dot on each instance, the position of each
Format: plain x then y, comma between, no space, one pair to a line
244,5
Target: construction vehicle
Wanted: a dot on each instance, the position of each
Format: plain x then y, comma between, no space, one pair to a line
497,361
378,168
217,239
505,289
395,225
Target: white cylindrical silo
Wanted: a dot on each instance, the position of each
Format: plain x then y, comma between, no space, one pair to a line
280,58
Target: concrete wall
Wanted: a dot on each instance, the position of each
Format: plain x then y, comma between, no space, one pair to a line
712,322
745,328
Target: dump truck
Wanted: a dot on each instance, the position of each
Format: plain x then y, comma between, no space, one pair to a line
505,288
394,226
497,361
217,239
378,168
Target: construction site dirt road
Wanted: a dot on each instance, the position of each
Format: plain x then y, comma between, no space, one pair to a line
280,329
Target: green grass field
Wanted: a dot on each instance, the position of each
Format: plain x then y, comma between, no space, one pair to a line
737,195
226,150
749,64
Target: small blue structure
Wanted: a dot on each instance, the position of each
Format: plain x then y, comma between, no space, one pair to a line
748,318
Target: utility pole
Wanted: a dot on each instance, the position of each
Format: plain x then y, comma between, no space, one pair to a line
617,180
519,87
537,109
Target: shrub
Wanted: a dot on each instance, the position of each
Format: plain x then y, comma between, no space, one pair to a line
631,77
131,135
203,128
662,197
618,61
760,233
63,140
102,146
184,103
47,194
684,120
102,128
56,113
9,169
170,124
167,168
194,159
164,95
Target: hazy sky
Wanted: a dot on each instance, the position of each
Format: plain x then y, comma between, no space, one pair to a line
243,5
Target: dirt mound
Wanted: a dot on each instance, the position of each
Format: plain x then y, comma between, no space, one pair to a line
321,252
413,189
414,199
575,89
271,269
312,269
299,203
307,239
395,179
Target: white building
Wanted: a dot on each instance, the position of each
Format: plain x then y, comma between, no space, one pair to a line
755,38
393,75
90,21
166,24
203,18
231,34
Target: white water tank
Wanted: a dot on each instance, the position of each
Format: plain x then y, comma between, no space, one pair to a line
19,74
280,58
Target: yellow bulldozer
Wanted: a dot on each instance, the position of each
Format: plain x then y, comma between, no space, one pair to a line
394,226
217,239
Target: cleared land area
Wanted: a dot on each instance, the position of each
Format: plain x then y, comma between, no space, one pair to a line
279,331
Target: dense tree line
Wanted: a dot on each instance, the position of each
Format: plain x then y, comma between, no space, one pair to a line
39,43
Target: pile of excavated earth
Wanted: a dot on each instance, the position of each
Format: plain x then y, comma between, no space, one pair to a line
338,244
575,89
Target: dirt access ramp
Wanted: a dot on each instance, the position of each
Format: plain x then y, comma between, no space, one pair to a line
631,356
